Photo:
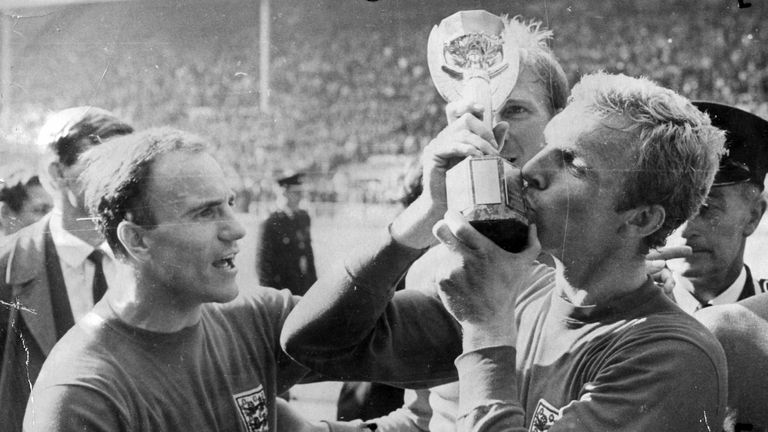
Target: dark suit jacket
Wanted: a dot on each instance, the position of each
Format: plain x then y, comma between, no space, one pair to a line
27,337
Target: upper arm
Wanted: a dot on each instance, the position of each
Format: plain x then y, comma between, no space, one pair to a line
66,408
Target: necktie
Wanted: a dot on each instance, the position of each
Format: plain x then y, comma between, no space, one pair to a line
99,281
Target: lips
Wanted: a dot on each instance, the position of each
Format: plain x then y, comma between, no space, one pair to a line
226,261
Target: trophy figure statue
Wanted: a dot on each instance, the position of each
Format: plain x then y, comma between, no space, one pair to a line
469,59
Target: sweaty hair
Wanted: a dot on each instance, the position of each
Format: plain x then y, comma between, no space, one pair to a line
536,56
676,148
68,133
117,173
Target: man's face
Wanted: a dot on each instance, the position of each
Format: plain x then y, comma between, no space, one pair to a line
194,244
37,204
527,111
717,235
293,195
574,185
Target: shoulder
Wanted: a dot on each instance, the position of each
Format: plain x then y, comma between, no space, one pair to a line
737,321
22,254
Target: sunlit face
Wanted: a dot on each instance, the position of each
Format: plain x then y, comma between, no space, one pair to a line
527,111
194,244
717,235
573,187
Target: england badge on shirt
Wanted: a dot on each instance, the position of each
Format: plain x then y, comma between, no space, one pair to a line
252,405
544,416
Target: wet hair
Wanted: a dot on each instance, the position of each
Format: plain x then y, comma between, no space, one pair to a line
677,150
117,174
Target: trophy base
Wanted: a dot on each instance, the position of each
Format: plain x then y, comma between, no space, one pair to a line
509,234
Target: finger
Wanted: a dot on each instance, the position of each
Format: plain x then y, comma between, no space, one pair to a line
669,252
500,134
443,233
654,266
668,281
456,109
462,144
477,127
463,231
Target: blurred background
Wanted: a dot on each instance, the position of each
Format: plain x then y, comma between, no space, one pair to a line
336,88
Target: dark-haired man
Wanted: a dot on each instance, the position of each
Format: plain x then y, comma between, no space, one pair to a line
174,345
52,271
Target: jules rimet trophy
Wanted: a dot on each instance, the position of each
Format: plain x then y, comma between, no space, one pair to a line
469,59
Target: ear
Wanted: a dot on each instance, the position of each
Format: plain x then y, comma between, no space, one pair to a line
56,175
756,212
643,221
132,237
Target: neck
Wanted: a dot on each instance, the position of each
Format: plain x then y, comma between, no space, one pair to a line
705,289
146,305
77,222
599,283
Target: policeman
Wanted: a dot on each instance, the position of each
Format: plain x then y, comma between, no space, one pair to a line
284,257
715,273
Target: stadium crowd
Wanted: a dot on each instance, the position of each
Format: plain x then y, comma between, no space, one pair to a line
345,87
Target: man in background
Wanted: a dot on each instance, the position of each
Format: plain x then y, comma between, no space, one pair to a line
284,250
23,201
55,270
715,273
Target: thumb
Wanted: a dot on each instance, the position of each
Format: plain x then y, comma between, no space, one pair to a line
500,133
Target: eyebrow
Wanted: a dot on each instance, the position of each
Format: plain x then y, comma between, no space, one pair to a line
210,203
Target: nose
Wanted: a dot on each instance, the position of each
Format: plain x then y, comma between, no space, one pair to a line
231,228
692,227
534,174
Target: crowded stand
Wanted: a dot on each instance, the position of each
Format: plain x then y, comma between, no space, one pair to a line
349,81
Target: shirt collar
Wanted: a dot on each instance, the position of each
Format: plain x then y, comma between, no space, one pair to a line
689,303
71,249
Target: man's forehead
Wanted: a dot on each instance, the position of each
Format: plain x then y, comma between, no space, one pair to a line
569,124
182,176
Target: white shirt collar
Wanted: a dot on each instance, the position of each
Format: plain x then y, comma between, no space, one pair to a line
689,303
71,249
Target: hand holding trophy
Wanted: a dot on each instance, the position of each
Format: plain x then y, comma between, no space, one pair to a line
469,59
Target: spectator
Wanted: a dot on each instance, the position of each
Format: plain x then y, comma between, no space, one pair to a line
590,345
55,269
23,201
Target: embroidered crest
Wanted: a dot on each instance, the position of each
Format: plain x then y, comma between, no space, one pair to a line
252,405
544,416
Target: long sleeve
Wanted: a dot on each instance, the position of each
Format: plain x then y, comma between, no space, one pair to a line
352,326
488,391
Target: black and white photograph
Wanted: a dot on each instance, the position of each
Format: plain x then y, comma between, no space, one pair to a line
383,215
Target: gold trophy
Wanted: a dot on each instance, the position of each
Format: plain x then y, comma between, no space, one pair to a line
468,59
